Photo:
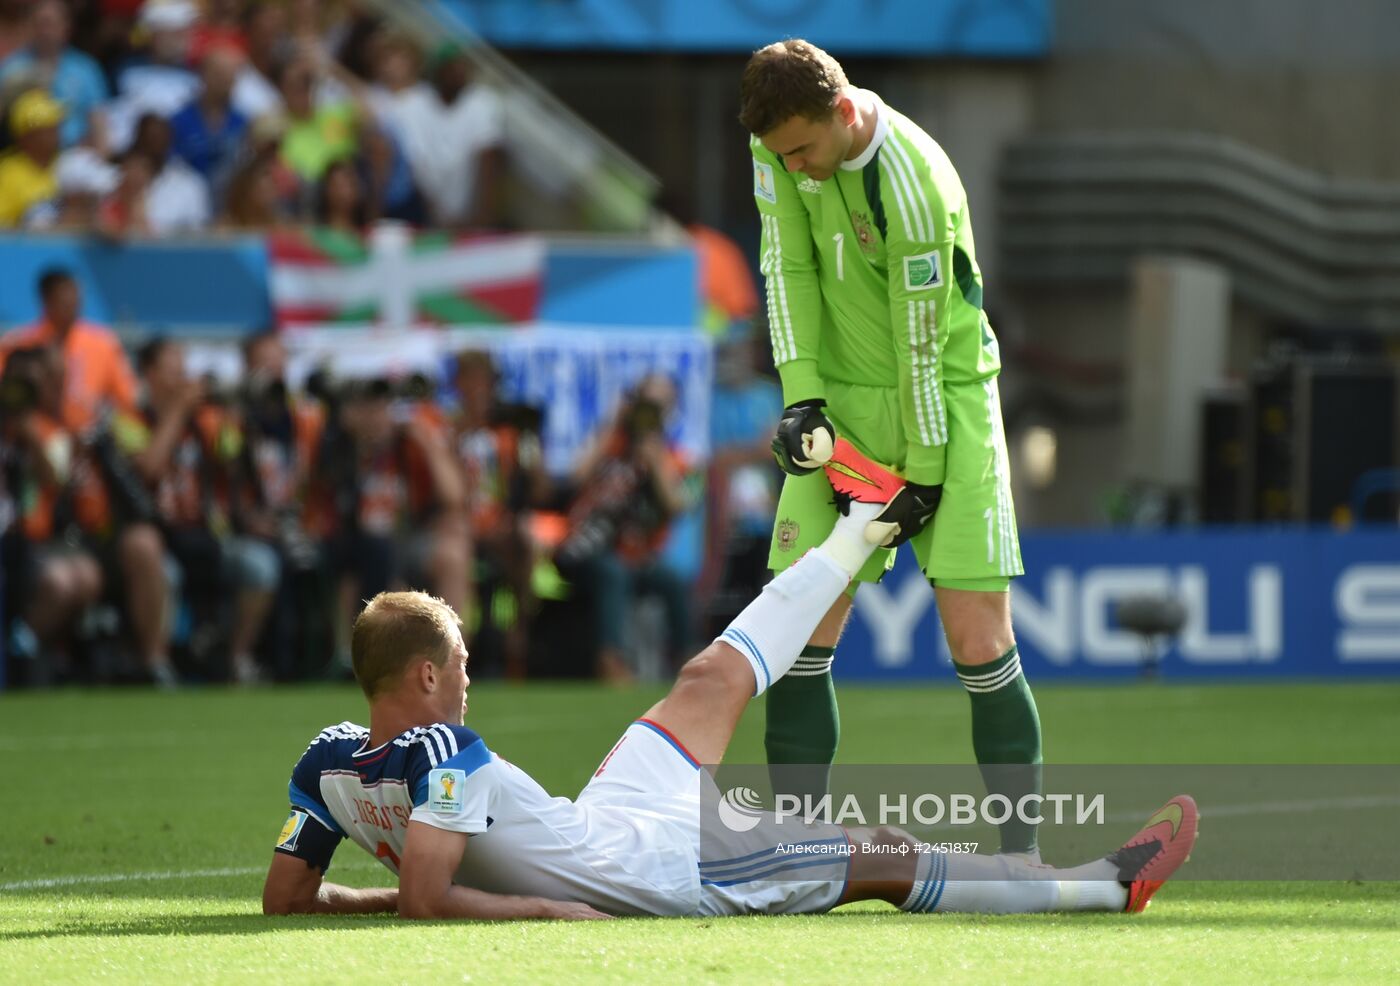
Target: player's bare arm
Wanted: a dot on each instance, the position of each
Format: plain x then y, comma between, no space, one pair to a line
293,887
426,891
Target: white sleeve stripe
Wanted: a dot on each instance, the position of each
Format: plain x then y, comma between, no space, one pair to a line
897,183
917,197
775,328
940,426
429,744
775,265
923,353
446,736
916,372
927,371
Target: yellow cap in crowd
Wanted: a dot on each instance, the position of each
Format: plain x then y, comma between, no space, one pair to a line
33,110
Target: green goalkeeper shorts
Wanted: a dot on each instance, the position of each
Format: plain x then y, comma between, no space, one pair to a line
972,542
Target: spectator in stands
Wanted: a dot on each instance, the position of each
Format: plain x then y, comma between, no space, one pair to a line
502,460
452,133
315,136
124,212
70,76
97,375
255,93
631,484
14,26
84,180
28,171
387,499
185,448
264,192
209,133
158,79
177,200
50,580
340,200
221,27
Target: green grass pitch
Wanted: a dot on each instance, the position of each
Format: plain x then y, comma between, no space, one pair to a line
137,827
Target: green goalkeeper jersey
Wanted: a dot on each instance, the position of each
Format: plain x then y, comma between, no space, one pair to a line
872,279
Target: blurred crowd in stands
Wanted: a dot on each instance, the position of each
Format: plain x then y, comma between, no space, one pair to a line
161,527
158,526
167,117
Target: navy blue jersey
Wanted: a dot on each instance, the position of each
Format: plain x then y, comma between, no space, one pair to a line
341,790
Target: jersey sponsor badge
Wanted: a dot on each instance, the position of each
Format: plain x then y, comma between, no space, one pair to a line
445,790
763,187
810,185
291,831
922,272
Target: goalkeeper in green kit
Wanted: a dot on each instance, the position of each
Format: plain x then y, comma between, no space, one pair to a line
875,311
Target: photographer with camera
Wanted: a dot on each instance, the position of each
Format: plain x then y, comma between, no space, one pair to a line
51,577
386,497
631,484
499,449
185,448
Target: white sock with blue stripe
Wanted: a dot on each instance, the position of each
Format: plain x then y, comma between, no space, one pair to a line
972,884
773,629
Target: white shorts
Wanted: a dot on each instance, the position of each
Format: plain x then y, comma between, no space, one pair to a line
771,867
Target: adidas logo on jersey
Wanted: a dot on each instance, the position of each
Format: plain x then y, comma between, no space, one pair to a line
809,185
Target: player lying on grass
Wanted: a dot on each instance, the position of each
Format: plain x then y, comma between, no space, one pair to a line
472,836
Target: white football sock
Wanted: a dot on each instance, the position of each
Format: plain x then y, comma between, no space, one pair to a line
773,629
847,543
967,883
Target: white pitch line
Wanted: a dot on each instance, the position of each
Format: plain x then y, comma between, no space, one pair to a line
96,879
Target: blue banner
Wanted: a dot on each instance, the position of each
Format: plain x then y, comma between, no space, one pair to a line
214,287
977,28
1276,604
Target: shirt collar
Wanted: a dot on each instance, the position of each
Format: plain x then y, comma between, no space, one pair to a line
882,127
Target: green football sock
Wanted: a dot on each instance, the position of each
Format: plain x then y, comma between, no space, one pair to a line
1006,739
803,726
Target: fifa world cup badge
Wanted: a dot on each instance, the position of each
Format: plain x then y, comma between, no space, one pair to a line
445,790
787,534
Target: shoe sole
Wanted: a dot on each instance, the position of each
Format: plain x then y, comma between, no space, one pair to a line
1176,848
852,474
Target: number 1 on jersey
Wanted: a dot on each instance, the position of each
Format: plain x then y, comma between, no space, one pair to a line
840,239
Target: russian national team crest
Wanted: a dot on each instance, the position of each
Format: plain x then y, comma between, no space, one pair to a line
787,534
445,790
865,232
763,186
291,831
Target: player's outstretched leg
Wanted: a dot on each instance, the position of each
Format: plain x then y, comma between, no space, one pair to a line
802,724
764,641
922,880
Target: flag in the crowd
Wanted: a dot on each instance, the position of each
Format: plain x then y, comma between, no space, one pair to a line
321,277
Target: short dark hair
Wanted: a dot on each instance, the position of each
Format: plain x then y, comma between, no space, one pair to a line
787,79
395,629
50,278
